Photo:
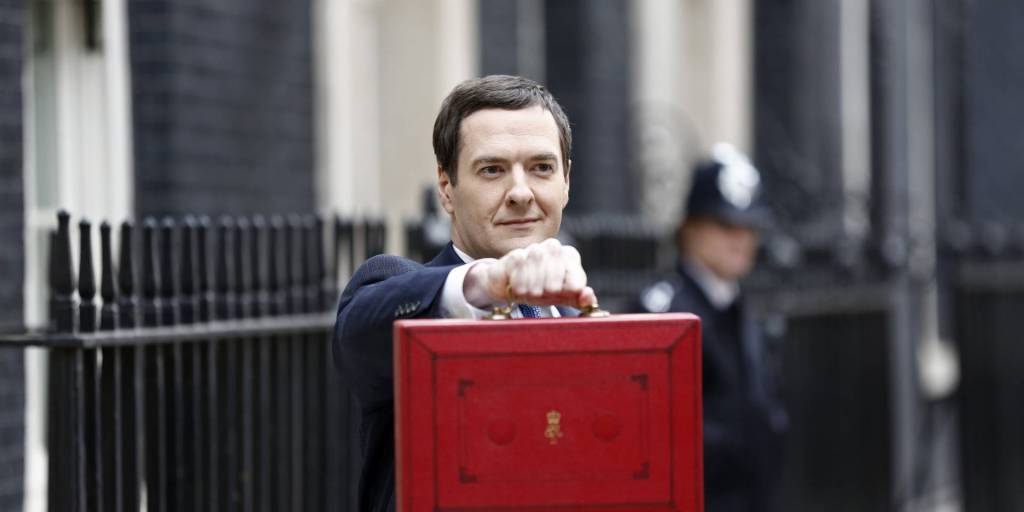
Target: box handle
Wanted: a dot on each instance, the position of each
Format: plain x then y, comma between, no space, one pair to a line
504,311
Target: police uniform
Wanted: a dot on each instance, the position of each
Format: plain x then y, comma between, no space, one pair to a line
744,421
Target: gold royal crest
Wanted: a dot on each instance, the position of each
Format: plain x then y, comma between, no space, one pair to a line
554,430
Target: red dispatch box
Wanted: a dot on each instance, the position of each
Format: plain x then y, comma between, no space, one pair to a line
549,414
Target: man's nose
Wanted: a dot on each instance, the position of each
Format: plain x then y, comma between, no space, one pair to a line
519,191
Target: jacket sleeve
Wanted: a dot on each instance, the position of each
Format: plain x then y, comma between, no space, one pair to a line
384,289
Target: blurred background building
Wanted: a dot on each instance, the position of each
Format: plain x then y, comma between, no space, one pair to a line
887,132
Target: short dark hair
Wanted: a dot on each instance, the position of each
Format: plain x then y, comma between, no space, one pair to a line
494,91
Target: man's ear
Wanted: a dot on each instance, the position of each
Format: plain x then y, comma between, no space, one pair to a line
444,190
565,193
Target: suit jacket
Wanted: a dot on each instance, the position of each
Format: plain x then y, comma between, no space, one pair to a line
385,288
744,421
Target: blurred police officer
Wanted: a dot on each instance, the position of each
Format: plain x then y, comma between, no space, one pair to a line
744,421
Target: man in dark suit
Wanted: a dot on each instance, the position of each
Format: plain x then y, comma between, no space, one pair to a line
744,420
502,145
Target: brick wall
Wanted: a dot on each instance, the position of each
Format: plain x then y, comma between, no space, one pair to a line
222,101
587,45
12,373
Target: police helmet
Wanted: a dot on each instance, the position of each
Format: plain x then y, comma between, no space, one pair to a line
727,188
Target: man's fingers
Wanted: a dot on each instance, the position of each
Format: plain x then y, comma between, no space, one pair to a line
575,279
555,269
571,255
533,275
516,268
586,298
497,280
542,274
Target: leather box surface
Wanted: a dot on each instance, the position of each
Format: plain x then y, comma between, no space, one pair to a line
549,414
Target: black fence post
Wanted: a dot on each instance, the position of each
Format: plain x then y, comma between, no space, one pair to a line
204,288
62,277
225,275
259,357
188,297
150,275
128,302
132,457
112,423
345,231
108,287
378,238
296,295
329,269
259,271
88,375
66,446
88,313
167,255
149,372
277,267
312,264
243,268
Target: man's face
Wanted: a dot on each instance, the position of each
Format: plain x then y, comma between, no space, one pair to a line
725,249
512,183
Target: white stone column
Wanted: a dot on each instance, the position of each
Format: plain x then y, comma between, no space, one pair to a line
693,83
717,55
426,48
383,67
347,105
732,58
666,138
855,107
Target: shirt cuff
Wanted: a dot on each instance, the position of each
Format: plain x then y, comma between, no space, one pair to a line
453,301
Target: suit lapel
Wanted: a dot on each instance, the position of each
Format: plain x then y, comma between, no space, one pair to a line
447,256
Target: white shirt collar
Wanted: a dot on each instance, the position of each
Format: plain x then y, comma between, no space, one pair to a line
463,256
722,293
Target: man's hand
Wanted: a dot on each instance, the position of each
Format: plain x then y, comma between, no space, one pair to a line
542,274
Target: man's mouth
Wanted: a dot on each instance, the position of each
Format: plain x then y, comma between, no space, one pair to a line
518,222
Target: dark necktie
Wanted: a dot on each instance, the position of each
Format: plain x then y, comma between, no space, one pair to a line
530,311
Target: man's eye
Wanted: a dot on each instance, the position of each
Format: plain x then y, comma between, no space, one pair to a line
491,170
545,168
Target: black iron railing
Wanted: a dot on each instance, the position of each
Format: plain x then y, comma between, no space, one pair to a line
198,374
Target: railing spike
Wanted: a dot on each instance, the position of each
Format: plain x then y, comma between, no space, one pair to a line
224,278
128,302
108,286
62,276
345,231
328,279
277,266
168,273
150,275
312,268
87,310
296,297
258,252
205,291
243,268
188,275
